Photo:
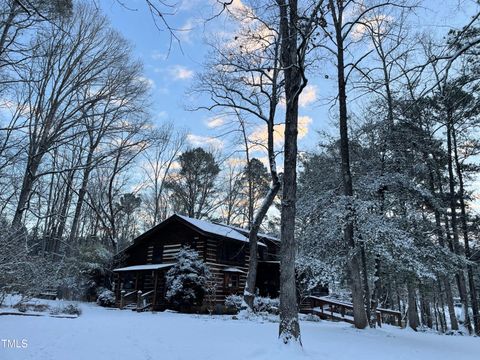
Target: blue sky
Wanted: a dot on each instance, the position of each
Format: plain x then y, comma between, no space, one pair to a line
170,76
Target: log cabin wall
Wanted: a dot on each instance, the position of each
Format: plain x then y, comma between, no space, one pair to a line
218,252
164,245
217,261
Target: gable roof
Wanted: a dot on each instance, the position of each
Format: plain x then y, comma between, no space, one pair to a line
205,228
144,267
259,235
216,229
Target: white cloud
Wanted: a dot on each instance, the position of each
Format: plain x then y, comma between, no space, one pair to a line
304,123
162,115
180,72
147,81
241,11
260,135
157,55
199,140
185,32
308,95
236,162
377,23
214,122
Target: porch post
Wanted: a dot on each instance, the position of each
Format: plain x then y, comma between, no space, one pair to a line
155,290
118,286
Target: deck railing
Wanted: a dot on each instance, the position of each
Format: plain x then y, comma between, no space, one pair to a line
140,299
126,297
144,300
343,311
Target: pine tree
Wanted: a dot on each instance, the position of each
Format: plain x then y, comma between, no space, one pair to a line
187,281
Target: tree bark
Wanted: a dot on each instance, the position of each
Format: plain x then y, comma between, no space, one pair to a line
29,177
359,313
249,294
80,200
463,218
441,240
453,216
412,306
289,329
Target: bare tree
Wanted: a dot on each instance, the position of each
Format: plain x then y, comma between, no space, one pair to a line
73,72
296,32
18,20
245,83
166,146
346,19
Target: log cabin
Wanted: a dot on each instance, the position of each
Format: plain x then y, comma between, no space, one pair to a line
140,276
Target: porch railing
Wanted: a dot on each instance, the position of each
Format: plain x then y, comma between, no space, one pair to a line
126,298
343,311
144,300
140,299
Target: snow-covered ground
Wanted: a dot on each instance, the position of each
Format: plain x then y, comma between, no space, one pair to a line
103,334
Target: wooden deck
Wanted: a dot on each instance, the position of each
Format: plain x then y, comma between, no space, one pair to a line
335,310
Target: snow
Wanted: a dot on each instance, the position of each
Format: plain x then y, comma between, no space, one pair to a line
111,334
234,270
217,229
260,235
331,300
144,267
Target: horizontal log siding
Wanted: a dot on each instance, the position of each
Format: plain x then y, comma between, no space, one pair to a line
170,252
216,268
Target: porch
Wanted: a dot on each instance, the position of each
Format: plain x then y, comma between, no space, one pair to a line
140,287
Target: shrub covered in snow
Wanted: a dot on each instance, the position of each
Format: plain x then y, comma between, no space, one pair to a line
82,269
105,298
234,302
309,317
260,304
28,272
266,304
22,307
23,270
70,309
187,280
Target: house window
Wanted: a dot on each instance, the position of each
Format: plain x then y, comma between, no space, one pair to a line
157,254
230,253
231,283
193,244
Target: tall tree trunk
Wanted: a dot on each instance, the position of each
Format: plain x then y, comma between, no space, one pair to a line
377,287
453,216
359,313
425,306
371,316
441,240
441,308
412,311
25,191
64,211
7,25
80,200
249,294
463,218
289,329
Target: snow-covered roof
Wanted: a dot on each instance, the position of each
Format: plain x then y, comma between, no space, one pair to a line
144,267
260,235
216,229
233,270
202,226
